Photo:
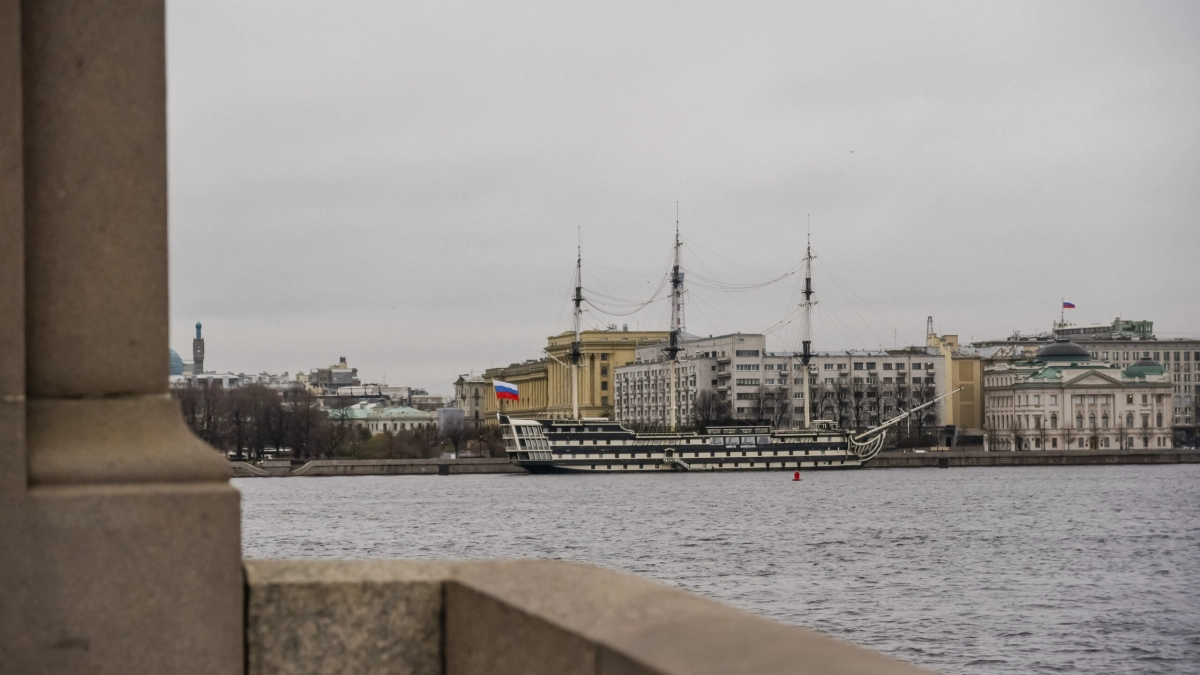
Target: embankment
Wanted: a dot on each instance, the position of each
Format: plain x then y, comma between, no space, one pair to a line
381,467
886,460
913,460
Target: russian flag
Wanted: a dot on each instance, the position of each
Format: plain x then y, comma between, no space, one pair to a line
1068,305
505,390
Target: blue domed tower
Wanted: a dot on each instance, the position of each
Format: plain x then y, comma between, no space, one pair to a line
176,363
198,352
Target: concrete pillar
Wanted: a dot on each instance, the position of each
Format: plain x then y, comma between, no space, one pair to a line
122,546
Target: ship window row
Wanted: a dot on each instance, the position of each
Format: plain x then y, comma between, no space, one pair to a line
695,455
721,465
741,440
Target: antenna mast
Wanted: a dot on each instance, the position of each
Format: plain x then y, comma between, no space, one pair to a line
673,347
576,352
806,328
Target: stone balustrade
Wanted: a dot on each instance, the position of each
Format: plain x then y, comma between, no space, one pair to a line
529,617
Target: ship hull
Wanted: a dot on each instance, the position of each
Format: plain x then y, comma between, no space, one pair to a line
602,446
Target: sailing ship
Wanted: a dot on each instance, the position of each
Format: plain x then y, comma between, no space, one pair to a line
602,445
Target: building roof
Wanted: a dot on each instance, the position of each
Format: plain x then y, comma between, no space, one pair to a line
362,411
1143,368
1063,350
176,363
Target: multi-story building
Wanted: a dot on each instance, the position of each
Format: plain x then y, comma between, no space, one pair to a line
470,396
1065,398
377,418
545,384
1123,343
964,372
328,380
737,375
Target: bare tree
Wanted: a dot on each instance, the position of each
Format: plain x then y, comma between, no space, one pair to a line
455,432
709,410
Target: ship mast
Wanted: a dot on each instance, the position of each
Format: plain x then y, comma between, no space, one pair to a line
576,352
806,331
673,347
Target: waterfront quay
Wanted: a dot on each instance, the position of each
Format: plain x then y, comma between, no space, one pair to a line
885,460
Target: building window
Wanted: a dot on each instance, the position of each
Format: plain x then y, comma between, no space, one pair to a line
604,385
1159,420
1053,421
604,357
746,352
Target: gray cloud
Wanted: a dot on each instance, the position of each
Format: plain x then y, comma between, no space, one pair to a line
402,183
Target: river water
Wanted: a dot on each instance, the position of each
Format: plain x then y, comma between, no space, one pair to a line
988,570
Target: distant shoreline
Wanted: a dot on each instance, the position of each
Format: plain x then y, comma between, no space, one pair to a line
886,460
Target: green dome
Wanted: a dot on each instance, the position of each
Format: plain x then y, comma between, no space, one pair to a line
1143,368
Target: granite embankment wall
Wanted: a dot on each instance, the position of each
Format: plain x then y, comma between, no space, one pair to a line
376,467
886,460
913,460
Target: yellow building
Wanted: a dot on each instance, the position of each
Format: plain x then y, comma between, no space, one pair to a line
545,384
964,410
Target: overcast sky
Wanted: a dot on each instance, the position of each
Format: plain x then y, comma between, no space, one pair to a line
404,183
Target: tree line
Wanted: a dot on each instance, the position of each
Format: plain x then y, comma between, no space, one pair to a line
254,422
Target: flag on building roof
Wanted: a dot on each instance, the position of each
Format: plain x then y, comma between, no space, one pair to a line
1068,305
505,390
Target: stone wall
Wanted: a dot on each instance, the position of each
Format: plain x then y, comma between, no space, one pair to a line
527,617
911,460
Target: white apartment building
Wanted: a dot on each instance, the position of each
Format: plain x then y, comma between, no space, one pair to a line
1067,398
858,389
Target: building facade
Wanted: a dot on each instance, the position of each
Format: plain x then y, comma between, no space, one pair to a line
737,375
470,396
326,381
1066,399
378,418
964,373
1123,343
545,384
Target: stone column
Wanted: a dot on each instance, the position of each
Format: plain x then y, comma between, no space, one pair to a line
122,547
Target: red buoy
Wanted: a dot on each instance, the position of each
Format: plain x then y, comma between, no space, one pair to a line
796,477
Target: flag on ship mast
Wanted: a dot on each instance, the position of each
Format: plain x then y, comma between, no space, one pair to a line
505,391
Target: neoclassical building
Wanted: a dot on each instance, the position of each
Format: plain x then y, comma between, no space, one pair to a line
1064,399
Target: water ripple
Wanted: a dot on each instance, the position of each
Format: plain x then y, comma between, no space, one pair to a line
994,570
